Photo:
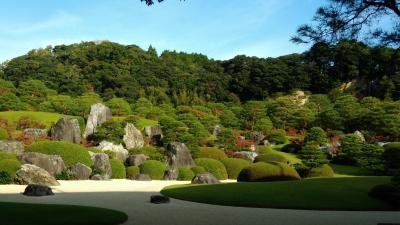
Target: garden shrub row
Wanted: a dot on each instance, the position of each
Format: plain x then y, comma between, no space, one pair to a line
273,171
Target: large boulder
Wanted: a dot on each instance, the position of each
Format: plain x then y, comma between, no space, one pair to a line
11,146
178,155
37,190
159,199
205,178
53,164
31,174
120,152
154,133
99,114
80,171
101,165
360,135
66,130
142,177
246,155
216,130
137,159
133,138
35,133
257,137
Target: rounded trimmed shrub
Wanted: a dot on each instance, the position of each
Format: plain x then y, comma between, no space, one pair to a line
131,171
392,155
271,157
234,166
273,171
386,192
118,169
152,152
212,153
70,153
6,155
278,137
5,178
214,167
185,174
291,148
10,166
198,170
155,169
3,134
323,171
263,149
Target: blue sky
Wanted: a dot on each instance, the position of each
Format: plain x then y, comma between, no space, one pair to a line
220,29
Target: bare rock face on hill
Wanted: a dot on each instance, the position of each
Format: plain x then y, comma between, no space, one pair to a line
101,166
80,171
120,152
31,174
133,138
178,155
66,130
99,114
53,164
11,146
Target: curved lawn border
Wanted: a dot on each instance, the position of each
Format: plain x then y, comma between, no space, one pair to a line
341,194
50,214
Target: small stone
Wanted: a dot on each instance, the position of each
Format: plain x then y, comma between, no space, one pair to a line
159,199
205,178
142,177
37,190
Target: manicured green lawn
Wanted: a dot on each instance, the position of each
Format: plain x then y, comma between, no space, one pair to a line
292,158
45,117
42,214
343,170
345,193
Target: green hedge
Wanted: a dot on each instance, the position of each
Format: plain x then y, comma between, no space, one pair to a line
213,153
131,171
10,166
263,149
185,174
70,153
3,134
273,171
118,169
155,169
271,157
214,167
392,155
234,166
323,171
198,170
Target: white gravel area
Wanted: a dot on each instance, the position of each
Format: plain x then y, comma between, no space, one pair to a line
132,197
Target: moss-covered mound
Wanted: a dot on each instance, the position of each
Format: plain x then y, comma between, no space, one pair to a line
131,171
273,171
118,169
213,153
185,174
214,167
155,169
3,134
271,157
234,166
323,171
70,153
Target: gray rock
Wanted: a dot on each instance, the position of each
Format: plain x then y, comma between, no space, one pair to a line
11,146
53,164
80,171
257,137
171,174
137,160
360,135
66,130
154,133
31,174
97,177
216,130
99,114
247,155
142,177
120,152
35,133
178,155
101,165
37,190
133,138
205,178
159,199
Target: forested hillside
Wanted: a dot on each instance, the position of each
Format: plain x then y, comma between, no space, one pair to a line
115,70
